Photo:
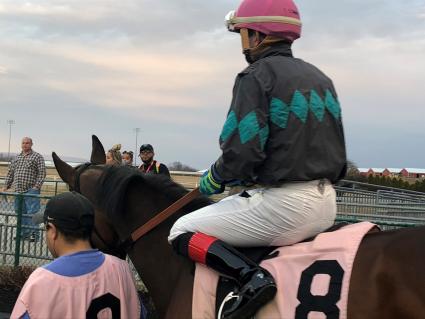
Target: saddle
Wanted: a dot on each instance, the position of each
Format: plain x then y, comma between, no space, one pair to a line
312,277
256,254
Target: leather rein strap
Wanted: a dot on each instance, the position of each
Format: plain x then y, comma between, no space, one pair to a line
159,218
152,223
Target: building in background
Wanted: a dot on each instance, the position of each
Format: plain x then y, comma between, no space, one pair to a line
409,174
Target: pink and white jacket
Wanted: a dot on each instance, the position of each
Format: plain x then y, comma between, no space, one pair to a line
80,285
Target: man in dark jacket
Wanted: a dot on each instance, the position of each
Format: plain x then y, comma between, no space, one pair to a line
149,165
283,133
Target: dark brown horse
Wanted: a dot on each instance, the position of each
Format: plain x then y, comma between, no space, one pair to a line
387,281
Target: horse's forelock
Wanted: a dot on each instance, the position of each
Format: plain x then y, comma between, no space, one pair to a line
112,186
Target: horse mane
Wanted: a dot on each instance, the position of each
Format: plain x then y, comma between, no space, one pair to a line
115,180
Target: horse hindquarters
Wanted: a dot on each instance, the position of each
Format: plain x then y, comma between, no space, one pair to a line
387,279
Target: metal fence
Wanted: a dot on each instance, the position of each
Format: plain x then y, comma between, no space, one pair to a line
14,249
388,208
18,251
50,187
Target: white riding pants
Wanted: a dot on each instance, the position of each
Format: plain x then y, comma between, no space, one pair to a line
269,217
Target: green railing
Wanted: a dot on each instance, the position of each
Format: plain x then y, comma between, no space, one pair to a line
353,206
14,249
50,187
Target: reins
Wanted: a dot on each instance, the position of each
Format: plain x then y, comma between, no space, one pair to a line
150,224
159,218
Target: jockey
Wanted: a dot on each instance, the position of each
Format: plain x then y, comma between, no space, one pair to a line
283,137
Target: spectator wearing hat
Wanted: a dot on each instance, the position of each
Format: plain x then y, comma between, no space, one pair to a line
149,165
81,282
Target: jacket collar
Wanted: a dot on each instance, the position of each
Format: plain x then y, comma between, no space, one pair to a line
282,48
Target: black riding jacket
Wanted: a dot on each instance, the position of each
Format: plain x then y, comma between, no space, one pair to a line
284,124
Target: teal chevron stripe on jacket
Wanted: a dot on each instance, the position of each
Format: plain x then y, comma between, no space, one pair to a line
317,106
299,106
229,127
279,110
332,105
248,127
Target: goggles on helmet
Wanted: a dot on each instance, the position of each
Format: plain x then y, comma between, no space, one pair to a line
231,21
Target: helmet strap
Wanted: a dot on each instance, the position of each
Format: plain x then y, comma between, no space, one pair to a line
247,43
245,39
262,44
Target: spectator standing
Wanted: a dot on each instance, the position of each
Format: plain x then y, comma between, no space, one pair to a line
149,165
113,156
80,282
26,174
127,158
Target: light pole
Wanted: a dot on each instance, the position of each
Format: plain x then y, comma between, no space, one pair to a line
10,123
136,130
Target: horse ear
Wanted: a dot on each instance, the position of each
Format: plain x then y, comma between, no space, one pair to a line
98,152
65,171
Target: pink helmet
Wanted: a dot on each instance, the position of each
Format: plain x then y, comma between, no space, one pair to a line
279,18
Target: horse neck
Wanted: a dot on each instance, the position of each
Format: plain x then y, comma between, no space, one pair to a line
159,267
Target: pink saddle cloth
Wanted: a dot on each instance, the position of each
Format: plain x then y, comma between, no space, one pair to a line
312,277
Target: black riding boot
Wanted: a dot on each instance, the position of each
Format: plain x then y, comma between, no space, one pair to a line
257,286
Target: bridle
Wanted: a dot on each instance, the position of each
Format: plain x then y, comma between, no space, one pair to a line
127,244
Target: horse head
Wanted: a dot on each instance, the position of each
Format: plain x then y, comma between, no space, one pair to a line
82,179
125,199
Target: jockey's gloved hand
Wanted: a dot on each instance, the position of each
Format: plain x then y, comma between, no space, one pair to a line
210,183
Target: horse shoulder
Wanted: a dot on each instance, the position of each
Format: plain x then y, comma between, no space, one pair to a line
180,305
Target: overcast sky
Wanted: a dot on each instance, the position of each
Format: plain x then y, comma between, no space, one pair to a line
69,69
